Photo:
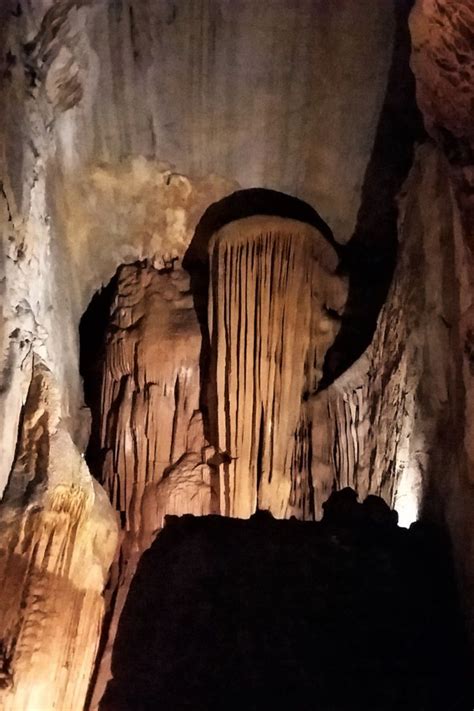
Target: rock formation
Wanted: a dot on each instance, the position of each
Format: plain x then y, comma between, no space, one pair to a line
58,539
273,308
150,389
123,124
442,60
268,279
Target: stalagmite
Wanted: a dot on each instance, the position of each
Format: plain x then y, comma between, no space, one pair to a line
150,388
273,307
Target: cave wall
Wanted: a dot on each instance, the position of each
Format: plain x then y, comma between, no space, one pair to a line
442,37
124,121
394,409
121,116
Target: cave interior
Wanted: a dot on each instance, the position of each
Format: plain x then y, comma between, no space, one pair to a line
237,370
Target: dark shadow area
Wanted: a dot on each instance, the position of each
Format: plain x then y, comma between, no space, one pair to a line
351,613
92,331
246,203
370,255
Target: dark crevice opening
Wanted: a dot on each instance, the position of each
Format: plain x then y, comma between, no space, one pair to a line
92,332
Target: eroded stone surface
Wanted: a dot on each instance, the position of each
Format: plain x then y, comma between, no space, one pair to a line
443,63
58,537
150,389
273,307
117,121
391,410
443,60
153,449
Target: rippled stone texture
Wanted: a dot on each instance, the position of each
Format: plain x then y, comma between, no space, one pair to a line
58,537
274,308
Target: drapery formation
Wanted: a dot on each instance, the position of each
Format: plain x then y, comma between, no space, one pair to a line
273,299
273,311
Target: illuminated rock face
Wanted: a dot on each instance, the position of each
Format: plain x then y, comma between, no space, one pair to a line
273,298
274,306
58,538
113,145
273,301
150,389
390,412
152,438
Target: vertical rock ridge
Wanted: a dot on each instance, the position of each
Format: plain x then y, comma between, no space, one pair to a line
58,539
272,288
150,388
152,437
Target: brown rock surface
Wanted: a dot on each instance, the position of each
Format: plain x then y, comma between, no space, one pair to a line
443,62
57,540
152,438
150,389
273,307
121,123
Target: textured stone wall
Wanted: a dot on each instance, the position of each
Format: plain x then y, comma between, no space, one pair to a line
442,60
110,105
122,122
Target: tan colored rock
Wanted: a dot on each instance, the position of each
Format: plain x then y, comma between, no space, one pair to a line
57,540
272,290
152,436
390,412
151,384
443,63
442,59
112,144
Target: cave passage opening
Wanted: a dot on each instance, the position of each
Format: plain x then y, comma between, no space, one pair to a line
92,332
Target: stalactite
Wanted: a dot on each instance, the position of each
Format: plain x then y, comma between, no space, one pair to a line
273,295
301,499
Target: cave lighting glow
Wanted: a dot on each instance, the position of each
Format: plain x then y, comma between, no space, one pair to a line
408,497
408,508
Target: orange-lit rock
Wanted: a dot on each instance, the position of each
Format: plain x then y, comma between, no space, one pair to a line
121,124
57,540
150,389
273,307
152,437
443,63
